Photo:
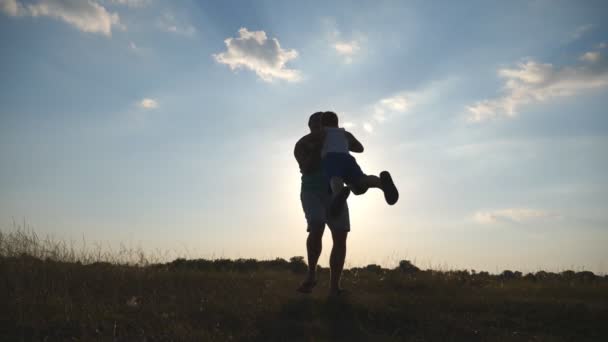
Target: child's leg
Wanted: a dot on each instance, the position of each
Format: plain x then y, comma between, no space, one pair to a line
365,182
339,196
360,182
384,183
336,184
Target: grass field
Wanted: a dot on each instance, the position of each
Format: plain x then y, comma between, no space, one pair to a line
49,292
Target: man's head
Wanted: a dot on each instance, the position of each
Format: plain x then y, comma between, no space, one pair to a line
330,119
314,121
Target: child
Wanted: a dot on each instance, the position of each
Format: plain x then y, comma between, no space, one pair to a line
340,167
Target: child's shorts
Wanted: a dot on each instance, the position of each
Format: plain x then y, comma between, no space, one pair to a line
342,165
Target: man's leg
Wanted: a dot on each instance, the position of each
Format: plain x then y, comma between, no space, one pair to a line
336,260
313,248
313,204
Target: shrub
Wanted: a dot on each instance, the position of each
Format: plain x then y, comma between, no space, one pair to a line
297,264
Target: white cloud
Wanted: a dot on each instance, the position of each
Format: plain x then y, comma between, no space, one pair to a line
390,105
168,23
254,51
379,114
347,49
402,102
11,7
348,125
579,32
602,45
87,16
148,103
132,3
511,215
532,82
187,30
591,56
396,103
137,50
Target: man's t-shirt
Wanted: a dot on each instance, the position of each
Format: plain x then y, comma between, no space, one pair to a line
308,154
314,182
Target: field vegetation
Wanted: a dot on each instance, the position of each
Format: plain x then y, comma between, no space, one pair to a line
51,291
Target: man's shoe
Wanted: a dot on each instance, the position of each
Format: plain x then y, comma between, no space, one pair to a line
307,286
338,293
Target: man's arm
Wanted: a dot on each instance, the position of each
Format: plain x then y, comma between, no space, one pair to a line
353,144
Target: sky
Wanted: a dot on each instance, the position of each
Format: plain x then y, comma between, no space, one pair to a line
170,125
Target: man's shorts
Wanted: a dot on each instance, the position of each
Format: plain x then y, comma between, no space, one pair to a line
316,209
341,165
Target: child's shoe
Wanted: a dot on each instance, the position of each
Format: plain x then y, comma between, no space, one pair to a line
391,195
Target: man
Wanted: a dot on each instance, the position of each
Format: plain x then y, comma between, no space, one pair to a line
316,198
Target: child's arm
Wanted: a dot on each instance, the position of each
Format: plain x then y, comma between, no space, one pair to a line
353,144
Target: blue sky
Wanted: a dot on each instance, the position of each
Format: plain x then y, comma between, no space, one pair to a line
170,125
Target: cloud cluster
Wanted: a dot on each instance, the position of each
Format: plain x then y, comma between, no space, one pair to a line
254,51
532,82
511,215
85,15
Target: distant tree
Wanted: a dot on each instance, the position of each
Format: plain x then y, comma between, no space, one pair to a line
506,275
373,268
483,274
585,276
407,267
568,274
461,275
278,264
223,264
246,265
544,275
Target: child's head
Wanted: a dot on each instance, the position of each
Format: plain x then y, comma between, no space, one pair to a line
330,119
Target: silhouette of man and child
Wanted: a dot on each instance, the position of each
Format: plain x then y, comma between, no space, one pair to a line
329,175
